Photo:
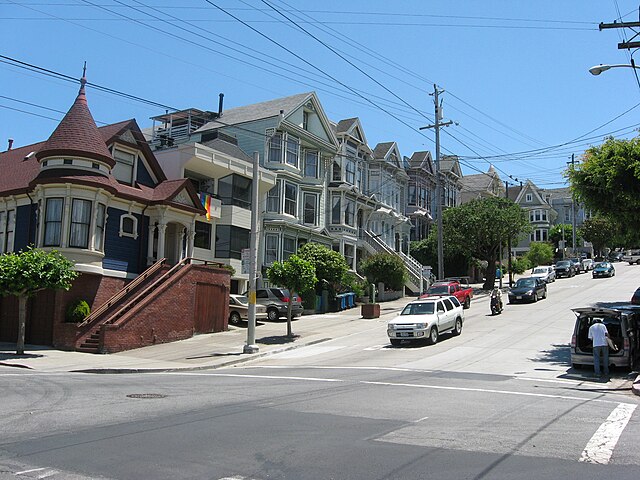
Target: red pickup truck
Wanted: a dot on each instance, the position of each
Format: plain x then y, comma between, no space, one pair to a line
463,293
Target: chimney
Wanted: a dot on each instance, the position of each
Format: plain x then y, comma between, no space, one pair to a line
10,144
221,99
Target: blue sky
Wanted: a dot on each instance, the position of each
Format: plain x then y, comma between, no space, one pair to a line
515,73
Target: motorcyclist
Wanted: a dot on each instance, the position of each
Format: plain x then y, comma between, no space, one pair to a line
496,300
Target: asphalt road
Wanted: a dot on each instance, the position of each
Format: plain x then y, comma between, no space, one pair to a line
498,402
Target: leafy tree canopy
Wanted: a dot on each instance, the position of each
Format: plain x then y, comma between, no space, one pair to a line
330,266
27,272
386,268
608,180
600,231
540,253
479,227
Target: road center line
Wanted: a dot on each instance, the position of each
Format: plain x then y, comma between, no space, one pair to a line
601,446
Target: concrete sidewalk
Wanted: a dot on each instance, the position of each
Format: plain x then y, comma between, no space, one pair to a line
204,351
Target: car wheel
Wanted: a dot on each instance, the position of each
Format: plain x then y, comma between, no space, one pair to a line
467,303
535,298
457,330
433,336
395,341
234,318
272,314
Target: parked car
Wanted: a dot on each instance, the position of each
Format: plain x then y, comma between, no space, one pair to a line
588,264
603,269
622,322
577,263
545,273
426,319
616,256
239,309
275,300
528,289
464,293
565,268
631,256
635,298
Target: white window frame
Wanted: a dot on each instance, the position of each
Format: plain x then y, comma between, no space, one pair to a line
271,241
122,232
122,162
274,198
529,198
315,153
292,157
292,242
7,230
306,195
290,204
59,221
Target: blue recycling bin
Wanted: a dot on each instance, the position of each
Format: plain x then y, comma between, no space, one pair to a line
351,297
343,301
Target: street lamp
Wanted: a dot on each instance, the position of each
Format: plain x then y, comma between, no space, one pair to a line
598,69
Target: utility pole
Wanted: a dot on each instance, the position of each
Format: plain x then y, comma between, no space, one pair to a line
573,212
251,346
506,195
623,45
438,204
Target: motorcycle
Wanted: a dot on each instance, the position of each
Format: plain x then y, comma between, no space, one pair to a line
496,304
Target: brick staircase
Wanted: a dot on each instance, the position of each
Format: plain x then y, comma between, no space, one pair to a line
89,331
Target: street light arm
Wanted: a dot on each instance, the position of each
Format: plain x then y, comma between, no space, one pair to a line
598,69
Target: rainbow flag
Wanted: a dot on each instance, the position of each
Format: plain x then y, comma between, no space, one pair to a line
205,198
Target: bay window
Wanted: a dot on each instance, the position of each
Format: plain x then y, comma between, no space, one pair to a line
293,149
273,199
311,164
336,208
80,223
100,221
270,248
310,201
53,222
288,247
290,199
275,148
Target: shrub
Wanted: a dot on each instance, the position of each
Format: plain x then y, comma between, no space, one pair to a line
77,311
386,268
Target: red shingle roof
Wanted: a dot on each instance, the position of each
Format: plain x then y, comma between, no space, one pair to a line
77,134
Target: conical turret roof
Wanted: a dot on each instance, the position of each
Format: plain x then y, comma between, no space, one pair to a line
77,134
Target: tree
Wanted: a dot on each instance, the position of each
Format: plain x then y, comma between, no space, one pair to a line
563,232
330,267
478,228
600,231
607,181
296,274
26,273
386,268
540,253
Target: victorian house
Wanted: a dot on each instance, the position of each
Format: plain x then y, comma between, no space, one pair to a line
481,185
99,196
450,177
539,211
420,193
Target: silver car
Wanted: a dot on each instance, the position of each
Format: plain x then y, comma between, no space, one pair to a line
544,273
239,309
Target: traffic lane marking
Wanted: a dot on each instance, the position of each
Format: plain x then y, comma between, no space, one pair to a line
601,446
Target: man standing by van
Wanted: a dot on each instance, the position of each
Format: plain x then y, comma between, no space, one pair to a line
598,334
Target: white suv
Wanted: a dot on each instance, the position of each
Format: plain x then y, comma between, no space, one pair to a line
427,319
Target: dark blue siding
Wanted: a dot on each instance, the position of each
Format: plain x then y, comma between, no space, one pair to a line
144,177
25,231
124,253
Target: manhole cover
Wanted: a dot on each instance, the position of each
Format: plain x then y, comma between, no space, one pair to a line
146,395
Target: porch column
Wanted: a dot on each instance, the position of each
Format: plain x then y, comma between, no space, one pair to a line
162,228
180,242
150,258
191,235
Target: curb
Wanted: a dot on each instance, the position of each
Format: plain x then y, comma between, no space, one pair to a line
253,356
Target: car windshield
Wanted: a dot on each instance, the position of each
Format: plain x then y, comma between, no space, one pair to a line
540,270
241,299
602,265
438,289
525,282
564,263
418,309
